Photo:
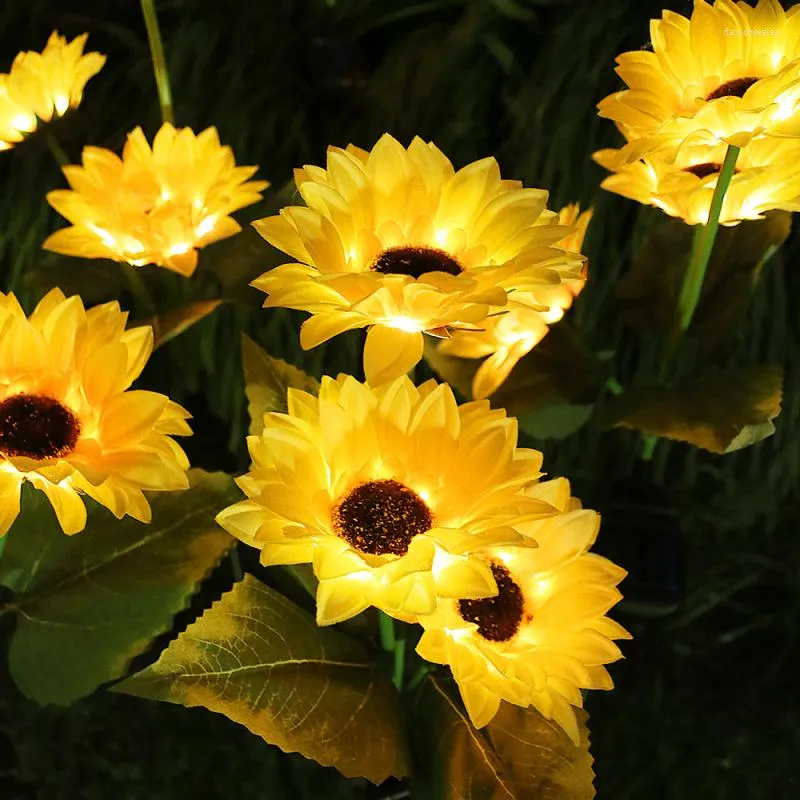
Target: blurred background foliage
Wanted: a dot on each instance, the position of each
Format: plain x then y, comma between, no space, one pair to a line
705,705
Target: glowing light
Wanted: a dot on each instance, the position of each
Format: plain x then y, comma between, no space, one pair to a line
458,634
541,588
440,236
179,249
24,122
199,203
787,105
166,195
4,145
551,316
107,239
206,226
404,324
61,102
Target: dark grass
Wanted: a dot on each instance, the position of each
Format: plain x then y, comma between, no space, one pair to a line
705,703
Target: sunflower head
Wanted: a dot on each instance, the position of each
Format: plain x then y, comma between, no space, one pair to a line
156,205
544,637
706,75
503,339
767,176
44,85
68,423
397,240
387,492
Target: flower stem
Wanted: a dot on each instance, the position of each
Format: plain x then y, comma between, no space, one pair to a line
386,630
399,663
55,148
614,386
705,236
393,644
159,62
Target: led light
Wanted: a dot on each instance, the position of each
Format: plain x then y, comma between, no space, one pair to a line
404,324
61,102
206,226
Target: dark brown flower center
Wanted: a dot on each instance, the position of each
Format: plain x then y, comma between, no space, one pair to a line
735,88
498,618
37,427
415,261
381,517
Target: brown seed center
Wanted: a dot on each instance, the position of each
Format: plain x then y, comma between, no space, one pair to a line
37,427
498,618
381,517
415,261
735,88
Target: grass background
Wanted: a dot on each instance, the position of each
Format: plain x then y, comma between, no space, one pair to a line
705,704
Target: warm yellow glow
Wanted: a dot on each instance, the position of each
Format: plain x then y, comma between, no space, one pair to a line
403,324
61,103
4,145
787,105
166,195
179,249
206,226
554,314
106,237
541,588
459,634
440,236
24,122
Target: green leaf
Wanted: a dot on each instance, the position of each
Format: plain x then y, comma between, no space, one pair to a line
87,604
174,322
649,290
519,755
555,422
721,410
263,662
559,370
267,380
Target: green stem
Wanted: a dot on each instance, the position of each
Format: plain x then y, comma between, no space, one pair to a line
386,630
399,663
55,148
139,288
702,246
236,564
614,386
648,447
159,62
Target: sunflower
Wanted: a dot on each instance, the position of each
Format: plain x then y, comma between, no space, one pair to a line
767,177
505,338
44,85
398,241
709,76
67,424
545,636
153,206
386,491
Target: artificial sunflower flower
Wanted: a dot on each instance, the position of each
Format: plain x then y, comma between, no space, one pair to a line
156,205
544,637
704,78
767,176
44,85
397,241
386,491
505,338
69,425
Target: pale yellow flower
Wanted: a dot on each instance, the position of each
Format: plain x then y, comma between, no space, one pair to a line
505,338
386,491
545,636
44,85
398,241
710,77
156,205
69,425
767,177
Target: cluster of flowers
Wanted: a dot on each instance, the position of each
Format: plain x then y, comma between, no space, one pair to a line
706,84
400,498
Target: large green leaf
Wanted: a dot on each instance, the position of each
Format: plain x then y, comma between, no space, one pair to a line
267,380
721,410
87,604
519,755
559,371
263,662
649,290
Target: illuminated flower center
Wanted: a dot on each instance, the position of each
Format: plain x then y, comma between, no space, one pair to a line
498,618
37,427
415,261
735,88
381,517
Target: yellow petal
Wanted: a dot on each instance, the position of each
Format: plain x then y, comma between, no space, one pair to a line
390,353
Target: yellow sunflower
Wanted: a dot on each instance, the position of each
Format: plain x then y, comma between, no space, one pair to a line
156,205
545,636
44,85
386,491
68,425
705,77
395,239
505,338
767,177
